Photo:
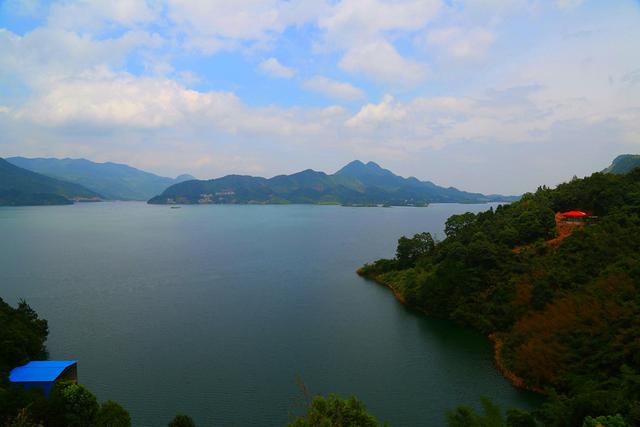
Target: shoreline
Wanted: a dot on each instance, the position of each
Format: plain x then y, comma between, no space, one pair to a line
496,342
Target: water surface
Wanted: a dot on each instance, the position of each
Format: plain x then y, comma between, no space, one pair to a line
215,310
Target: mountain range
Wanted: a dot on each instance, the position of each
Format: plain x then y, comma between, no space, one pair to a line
355,184
41,181
112,181
21,187
624,163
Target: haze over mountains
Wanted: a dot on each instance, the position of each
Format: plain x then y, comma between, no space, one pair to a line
20,187
51,181
112,181
355,184
624,163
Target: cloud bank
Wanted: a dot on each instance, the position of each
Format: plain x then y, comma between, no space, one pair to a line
461,93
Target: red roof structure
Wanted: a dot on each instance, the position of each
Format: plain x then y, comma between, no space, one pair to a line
574,214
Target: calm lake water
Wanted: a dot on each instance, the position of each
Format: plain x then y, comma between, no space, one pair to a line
214,310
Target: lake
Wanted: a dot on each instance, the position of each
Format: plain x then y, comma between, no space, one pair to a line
214,311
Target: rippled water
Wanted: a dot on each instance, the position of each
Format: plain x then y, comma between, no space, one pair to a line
214,310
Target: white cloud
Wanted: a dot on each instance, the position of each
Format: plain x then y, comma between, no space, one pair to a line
93,15
22,7
79,92
568,4
216,24
333,88
274,68
462,43
365,30
189,78
46,54
353,22
102,99
380,61
373,115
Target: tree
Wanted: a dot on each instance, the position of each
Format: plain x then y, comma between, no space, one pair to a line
605,421
73,405
463,416
22,335
520,418
409,250
111,414
334,411
457,223
182,420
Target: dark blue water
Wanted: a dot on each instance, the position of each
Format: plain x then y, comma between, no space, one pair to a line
215,310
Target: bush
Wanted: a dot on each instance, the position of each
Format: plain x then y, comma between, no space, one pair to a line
182,420
111,414
605,421
73,405
336,412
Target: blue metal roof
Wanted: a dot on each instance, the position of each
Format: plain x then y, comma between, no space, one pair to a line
39,371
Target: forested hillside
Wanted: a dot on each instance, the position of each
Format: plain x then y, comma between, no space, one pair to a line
111,180
624,163
21,187
355,184
564,311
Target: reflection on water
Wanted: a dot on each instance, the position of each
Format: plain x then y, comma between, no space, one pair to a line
214,310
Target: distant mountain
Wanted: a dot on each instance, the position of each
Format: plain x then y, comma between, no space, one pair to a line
114,181
624,164
355,184
21,187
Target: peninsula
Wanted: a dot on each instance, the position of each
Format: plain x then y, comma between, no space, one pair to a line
552,279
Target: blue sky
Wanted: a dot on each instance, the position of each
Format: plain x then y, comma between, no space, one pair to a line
484,95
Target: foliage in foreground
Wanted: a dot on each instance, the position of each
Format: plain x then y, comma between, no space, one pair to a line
334,411
22,338
182,420
464,416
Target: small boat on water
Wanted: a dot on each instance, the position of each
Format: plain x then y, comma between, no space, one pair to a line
176,207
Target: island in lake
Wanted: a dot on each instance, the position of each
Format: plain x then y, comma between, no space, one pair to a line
356,184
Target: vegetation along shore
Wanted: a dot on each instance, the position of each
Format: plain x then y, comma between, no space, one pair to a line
559,299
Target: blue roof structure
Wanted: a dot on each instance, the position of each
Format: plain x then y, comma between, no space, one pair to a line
40,371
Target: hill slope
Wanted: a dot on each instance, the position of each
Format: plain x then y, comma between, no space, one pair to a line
624,163
21,187
356,183
112,180
564,311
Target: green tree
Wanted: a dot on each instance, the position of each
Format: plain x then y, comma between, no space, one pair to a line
182,420
334,411
73,405
409,250
111,414
605,421
456,223
464,416
520,418
22,336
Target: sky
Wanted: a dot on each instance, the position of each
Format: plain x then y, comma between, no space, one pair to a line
496,96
